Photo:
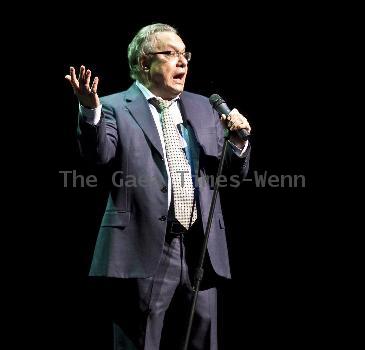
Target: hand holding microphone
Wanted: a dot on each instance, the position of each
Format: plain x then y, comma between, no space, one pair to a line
233,120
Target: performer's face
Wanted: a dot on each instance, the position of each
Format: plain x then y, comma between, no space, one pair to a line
167,73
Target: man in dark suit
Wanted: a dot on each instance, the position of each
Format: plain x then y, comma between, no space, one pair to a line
167,143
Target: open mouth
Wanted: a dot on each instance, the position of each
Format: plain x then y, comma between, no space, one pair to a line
179,77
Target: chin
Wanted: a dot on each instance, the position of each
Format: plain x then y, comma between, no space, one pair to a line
178,87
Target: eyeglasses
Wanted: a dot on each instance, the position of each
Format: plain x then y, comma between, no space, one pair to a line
187,55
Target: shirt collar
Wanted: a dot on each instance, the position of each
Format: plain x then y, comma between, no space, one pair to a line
148,94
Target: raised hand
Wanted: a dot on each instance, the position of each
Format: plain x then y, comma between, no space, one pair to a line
87,95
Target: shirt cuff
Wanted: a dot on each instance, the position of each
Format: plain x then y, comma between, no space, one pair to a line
90,115
238,151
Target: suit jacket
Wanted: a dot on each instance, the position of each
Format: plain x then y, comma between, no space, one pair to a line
132,232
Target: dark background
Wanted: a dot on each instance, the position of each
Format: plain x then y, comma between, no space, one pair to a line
262,63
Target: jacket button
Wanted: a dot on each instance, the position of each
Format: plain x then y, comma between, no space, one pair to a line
164,189
163,218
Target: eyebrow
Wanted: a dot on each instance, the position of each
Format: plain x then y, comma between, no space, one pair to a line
174,48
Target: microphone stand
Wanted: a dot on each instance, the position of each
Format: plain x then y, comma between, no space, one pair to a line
199,272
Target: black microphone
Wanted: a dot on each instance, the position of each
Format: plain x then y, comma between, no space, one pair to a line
221,107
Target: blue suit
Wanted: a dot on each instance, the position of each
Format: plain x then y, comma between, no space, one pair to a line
131,239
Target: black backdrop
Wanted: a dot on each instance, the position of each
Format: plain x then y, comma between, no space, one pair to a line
260,63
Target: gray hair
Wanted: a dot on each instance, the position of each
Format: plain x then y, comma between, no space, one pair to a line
141,44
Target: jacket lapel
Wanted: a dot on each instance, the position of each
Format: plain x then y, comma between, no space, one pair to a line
205,135
188,110
137,105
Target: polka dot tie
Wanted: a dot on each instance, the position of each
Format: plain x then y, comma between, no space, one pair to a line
180,172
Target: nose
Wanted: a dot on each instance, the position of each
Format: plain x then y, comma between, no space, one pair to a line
182,61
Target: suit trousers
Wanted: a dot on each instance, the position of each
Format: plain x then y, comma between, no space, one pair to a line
153,312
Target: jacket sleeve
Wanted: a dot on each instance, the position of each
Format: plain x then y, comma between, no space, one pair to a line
233,165
97,143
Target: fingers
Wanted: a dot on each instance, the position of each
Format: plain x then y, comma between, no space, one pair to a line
86,95
82,75
236,121
81,84
87,81
94,87
84,79
72,78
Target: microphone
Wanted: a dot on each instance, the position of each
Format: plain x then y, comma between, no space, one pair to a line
221,107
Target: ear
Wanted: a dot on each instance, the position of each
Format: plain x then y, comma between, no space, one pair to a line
144,64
